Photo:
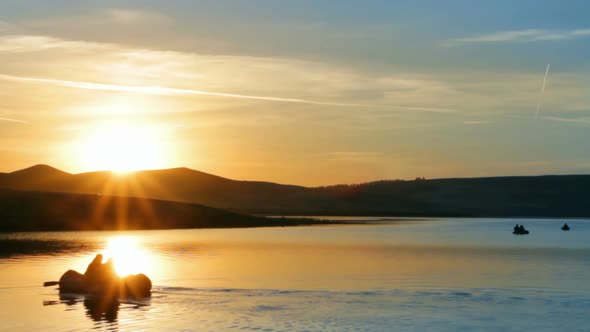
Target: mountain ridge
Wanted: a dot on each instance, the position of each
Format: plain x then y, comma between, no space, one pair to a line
544,195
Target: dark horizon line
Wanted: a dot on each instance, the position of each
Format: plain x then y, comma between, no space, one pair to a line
123,174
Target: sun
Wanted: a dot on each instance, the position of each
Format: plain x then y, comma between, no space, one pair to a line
128,256
122,147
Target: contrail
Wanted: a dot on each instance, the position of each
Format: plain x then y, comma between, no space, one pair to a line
12,120
160,90
168,91
542,92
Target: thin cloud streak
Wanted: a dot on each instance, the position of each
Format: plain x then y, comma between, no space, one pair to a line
569,120
540,101
12,120
527,35
428,109
158,90
399,93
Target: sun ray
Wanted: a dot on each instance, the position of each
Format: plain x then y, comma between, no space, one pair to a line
99,217
146,209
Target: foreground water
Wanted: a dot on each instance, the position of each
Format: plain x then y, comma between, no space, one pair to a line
394,274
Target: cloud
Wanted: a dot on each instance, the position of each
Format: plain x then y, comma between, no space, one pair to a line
12,120
87,65
83,64
429,109
583,121
169,91
134,16
474,122
112,19
159,90
34,43
527,35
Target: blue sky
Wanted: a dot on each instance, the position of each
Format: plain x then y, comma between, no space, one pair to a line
385,89
386,32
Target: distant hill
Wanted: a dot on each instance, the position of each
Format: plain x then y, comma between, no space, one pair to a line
548,196
177,184
41,211
519,196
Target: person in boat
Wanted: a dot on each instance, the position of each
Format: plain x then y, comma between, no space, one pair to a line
565,227
102,280
519,229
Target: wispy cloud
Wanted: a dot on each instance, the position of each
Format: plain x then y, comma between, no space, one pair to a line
159,90
107,19
527,35
88,65
429,109
12,120
34,43
134,16
168,91
584,121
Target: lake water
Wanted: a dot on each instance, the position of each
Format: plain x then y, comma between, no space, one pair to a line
393,274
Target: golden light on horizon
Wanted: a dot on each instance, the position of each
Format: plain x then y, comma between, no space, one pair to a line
122,147
128,256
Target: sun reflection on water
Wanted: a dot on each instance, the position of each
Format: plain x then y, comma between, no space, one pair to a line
128,255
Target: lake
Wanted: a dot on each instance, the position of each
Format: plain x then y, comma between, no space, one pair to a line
442,274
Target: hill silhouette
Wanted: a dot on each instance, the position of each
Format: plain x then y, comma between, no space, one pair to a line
177,184
42,211
519,196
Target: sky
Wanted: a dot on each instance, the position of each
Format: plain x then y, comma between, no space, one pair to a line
301,92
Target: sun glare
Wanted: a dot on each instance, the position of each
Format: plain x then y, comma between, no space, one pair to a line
122,147
129,257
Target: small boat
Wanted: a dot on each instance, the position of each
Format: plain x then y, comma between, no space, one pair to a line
523,232
565,227
520,230
101,280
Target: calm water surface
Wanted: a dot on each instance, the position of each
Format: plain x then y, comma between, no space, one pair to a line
394,274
